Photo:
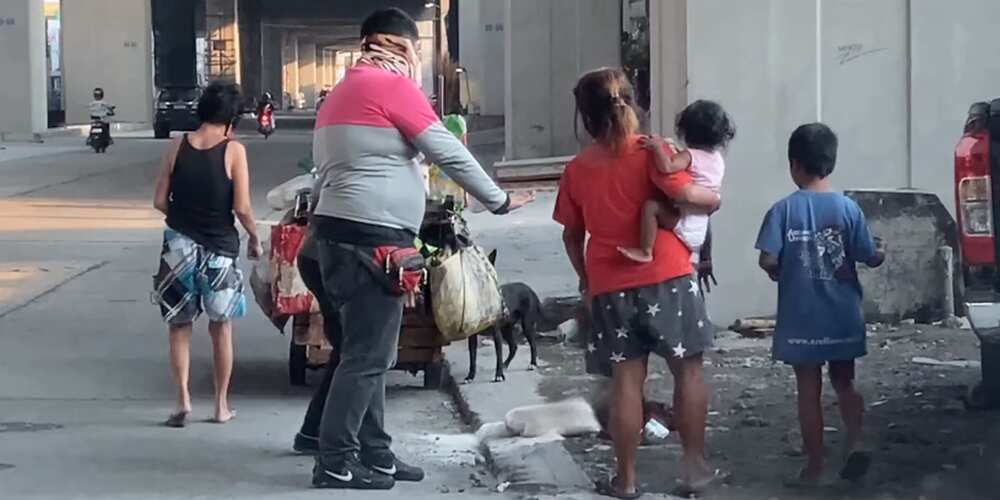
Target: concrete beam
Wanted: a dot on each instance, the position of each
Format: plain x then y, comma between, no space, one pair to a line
23,80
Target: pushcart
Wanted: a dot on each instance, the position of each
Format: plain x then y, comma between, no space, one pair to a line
420,341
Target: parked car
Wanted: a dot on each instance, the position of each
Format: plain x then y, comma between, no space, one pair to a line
176,109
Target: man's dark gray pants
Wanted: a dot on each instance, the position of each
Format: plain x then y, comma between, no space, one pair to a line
354,415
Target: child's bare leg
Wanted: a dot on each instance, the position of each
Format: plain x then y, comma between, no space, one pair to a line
852,408
810,388
648,227
852,404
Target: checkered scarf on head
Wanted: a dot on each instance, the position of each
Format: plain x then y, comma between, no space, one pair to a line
391,53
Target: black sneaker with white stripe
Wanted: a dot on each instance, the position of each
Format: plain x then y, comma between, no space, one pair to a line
388,465
349,474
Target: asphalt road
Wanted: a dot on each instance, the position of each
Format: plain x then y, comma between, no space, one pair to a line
84,379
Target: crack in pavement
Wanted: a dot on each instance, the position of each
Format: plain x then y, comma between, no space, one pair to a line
52,289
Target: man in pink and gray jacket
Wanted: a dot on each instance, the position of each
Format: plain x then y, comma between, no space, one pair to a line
369,131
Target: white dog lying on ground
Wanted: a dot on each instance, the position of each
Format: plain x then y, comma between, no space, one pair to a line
572,417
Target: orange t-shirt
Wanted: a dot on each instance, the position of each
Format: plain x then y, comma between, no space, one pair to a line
603,193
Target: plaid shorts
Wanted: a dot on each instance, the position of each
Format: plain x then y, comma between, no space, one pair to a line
193,280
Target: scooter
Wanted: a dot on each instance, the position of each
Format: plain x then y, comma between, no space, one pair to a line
265,121
99,137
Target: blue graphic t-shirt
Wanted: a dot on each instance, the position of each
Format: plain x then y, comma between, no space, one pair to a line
818,238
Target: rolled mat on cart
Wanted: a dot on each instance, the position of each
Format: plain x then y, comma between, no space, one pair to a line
465,293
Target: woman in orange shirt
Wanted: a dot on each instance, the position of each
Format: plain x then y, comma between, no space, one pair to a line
638,309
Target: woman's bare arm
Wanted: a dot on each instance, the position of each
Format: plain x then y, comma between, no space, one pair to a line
574,240
161,197
242,206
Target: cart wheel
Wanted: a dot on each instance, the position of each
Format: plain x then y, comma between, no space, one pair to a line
433,375
296,364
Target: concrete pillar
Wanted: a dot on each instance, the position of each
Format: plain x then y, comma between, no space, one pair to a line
307,71
668,63
118,58
271,61
320,68
290,68
426,29
23,99
481,30
548,44
328,65
250,48
340,66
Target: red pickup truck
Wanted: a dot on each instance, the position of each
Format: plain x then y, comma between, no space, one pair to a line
977,178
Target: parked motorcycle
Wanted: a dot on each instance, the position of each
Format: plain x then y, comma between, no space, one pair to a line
99,137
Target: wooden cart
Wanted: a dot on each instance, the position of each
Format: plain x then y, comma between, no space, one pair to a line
420,341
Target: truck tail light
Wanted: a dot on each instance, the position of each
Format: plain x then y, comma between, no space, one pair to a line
975,202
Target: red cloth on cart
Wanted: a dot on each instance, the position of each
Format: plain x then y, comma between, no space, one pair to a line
290,294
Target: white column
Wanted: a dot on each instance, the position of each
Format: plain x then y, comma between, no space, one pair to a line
668,62
307,71
23,77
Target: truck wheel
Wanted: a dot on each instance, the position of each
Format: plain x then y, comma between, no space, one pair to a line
296,364
161,132
433,375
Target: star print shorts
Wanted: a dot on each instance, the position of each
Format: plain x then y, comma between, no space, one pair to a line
668,319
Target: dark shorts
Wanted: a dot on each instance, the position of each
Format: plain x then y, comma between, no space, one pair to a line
668,319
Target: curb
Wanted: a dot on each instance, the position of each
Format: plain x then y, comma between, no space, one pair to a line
67,131
521,465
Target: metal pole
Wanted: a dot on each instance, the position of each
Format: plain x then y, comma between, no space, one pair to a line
438,59
948,266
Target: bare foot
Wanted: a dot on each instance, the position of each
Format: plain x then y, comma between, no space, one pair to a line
223,416
639,255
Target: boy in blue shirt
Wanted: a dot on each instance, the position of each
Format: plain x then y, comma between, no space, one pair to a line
809,244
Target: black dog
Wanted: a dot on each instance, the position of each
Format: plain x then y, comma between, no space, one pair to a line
523,307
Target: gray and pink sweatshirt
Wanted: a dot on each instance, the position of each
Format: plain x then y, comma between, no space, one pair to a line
368,134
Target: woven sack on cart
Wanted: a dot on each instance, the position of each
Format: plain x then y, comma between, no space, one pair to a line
465,293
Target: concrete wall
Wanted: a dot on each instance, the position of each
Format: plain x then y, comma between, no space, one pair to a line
22,57
107,43
955,62
894,78
481,38
548,44
912,283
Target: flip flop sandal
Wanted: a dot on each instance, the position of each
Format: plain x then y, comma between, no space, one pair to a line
856,465
609,488
177,420
696,488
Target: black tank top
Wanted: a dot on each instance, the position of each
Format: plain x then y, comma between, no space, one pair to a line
201,198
